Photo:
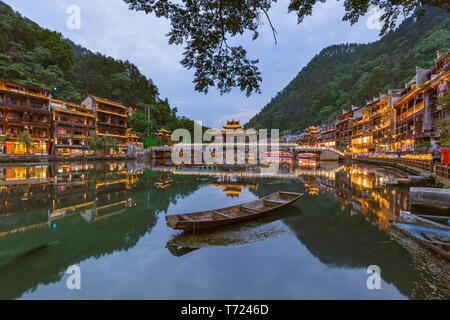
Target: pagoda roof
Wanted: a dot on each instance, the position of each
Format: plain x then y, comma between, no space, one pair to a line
233,125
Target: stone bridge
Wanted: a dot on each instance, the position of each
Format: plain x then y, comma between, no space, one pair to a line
325,153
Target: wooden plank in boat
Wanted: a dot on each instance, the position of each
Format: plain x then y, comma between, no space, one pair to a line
275,202
187,218
249,210
222,214
290,193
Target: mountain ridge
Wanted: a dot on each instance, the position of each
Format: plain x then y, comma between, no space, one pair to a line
343,75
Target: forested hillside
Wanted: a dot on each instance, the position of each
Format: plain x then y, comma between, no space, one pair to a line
349,74
32,55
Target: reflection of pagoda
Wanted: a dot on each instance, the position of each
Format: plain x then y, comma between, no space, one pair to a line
164,181
233,188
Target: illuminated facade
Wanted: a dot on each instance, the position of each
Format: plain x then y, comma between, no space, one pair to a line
371,133
326,136
311,135
420,105
344,127
111,119
397,122
71,126
24,108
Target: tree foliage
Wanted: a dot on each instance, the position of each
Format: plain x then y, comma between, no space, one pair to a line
139,123
102,144
206,26
24,138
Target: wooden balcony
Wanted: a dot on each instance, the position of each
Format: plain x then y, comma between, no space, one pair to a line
10,106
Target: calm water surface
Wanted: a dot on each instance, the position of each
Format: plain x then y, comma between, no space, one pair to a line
110,220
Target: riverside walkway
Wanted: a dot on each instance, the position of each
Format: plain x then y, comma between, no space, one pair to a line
420,167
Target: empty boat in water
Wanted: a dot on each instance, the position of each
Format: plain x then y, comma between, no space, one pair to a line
437,239
432,221
445,221
221,217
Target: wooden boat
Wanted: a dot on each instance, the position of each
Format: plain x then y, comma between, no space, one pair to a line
221,217
436,239
248,232
408,217
445,221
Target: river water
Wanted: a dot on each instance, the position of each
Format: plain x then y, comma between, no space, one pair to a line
109,219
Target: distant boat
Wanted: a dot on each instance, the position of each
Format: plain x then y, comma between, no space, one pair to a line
437,239
221,217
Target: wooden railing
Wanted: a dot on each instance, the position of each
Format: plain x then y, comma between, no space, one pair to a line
421,164
443,170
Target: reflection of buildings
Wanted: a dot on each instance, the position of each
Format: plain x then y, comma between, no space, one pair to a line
15,173
164,181
284,172
39,239
364,191
233,186
282,157
308,160
72,190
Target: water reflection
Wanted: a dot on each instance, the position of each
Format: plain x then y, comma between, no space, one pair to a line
57,215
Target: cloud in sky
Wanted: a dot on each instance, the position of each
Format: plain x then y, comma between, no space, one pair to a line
110,28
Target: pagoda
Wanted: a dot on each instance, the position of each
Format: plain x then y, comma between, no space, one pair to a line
234,127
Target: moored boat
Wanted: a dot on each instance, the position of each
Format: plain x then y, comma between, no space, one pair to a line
445,221
221,217
436,239
432,221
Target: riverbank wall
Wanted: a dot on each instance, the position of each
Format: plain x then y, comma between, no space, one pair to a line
438,180
46,159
